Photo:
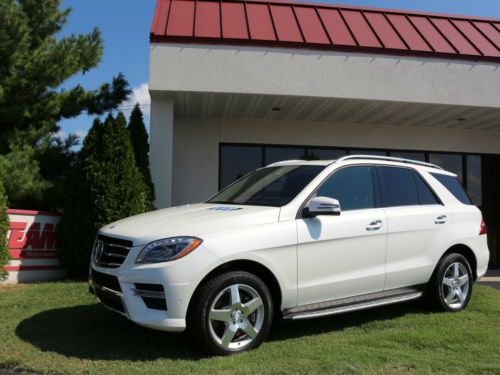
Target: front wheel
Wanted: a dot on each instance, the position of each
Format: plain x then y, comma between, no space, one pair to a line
233,313
450,288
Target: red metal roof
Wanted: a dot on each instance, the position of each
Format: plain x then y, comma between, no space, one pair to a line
323,26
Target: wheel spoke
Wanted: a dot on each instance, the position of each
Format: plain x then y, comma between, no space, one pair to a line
460,295
456,270
249,329
220,315
448,282
450,296
462,280
235,294
229,335
251,306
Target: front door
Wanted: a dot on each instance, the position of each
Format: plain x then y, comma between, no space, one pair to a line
343,256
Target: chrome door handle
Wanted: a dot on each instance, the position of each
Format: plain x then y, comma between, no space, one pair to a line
374,225
441,219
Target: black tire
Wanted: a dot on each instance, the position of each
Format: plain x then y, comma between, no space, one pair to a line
436,291
203,329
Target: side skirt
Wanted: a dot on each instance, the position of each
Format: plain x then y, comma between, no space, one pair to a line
366,301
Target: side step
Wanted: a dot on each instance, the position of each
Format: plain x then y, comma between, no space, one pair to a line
317,313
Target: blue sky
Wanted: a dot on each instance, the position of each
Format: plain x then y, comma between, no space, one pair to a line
125,25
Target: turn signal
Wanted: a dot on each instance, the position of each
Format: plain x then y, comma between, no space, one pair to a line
482,228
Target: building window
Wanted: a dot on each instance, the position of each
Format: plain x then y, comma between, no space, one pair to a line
449,162
474,179
275,154
325,153
367,152
420,156
237,161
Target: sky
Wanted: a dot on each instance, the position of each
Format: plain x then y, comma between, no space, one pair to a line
125,25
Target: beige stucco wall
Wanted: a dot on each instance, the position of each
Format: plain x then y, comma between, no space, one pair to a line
328,74
196,144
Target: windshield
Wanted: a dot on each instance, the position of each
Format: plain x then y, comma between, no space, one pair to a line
271,186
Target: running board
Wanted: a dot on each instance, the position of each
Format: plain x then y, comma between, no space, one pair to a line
353,307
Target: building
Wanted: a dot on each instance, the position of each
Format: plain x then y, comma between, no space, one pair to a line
236,85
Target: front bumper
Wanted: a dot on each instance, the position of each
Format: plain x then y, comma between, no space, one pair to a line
120,290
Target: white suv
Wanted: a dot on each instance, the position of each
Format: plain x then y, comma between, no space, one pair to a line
297,239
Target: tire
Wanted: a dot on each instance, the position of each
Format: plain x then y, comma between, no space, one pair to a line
224,326
450,287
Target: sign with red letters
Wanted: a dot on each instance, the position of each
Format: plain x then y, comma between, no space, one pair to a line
34,244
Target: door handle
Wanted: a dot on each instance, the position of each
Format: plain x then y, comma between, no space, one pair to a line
441,219
374,225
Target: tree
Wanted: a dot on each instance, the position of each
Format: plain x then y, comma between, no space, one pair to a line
34,65
104,185
140,142
4,227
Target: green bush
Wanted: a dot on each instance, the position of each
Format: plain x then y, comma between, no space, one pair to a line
140,142
4,227
104,185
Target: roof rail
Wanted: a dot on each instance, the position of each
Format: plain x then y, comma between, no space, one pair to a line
388,158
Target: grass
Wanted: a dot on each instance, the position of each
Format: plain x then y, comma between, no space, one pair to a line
58,328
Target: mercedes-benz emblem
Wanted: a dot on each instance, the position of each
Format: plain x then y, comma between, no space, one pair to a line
99,248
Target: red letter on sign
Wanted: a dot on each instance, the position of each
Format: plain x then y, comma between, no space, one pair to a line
16,235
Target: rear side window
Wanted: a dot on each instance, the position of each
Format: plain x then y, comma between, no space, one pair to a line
352,187
404,187
451,183
425,194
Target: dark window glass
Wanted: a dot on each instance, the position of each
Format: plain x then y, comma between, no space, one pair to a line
449,162
367,152
237,161
352,187
474,179
425,194
420,156
453,186
398,187
274,154
272,186
325,154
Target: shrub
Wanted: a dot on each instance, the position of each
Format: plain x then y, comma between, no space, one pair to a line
4,227
140,142
104,185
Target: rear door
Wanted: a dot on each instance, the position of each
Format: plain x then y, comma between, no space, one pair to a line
418,226
343,256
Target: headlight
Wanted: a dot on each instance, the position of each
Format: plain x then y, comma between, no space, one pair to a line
168,249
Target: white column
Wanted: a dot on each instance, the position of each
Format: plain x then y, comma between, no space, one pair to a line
161,149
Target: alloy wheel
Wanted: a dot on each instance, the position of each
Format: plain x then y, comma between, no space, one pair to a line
236,316
455,285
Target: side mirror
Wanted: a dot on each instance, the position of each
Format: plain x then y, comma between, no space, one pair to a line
322,206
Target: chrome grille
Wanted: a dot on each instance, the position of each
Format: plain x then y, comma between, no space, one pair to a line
110,252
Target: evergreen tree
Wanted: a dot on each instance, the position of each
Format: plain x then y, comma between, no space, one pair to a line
4,227
34,63
103,186
140,142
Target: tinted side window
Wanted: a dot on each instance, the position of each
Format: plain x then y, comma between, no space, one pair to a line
425,194
352,187
453,186
398,187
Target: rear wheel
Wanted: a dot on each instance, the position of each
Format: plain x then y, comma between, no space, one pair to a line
233,313
450,288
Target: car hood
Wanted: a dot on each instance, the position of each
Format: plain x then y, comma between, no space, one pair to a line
189,220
